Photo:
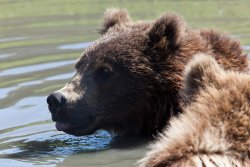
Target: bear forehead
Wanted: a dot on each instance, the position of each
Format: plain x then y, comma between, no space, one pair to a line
123,37
125,46
120,41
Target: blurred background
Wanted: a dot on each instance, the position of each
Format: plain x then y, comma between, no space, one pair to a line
40,41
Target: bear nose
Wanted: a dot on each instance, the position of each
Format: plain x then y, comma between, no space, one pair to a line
55,101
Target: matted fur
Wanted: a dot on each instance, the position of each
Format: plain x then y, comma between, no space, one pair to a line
214,128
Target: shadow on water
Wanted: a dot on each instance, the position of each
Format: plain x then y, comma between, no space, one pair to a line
45,144
33,144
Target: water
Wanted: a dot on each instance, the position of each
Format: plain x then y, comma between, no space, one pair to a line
27,136
39,44
34,68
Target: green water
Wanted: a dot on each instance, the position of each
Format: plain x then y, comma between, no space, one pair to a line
40,41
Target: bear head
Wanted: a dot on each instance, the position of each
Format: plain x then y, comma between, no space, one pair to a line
119,84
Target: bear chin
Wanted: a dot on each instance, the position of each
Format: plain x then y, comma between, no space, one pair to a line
79,131
75,129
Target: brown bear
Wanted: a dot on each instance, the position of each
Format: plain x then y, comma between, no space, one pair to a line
214,128
127,82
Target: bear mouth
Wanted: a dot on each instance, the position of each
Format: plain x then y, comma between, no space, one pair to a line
60,126
76,130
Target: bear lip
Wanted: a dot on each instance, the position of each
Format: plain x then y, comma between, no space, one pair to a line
60,126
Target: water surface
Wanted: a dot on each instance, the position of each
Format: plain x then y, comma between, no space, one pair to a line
39,44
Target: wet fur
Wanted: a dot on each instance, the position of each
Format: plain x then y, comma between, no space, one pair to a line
214,128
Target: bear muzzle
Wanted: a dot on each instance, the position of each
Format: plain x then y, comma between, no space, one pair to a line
55,101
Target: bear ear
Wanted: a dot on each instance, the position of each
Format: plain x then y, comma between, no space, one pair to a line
170,27
112,17
202,70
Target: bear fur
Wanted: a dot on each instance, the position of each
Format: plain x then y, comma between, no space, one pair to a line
214,128
128,81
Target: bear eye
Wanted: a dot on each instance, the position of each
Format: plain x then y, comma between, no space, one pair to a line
103,73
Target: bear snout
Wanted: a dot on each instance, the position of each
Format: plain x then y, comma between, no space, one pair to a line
55,101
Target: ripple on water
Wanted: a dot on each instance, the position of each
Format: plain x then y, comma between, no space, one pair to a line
75,46
27,110
246,47
4,92
13,39
6,55
16,163
42,144
34,68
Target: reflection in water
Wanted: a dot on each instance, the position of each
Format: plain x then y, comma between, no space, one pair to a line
17,163
75,46
5,91
12,39
28,110
34,68
61,76
49,143
2,56
41,144
247,48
